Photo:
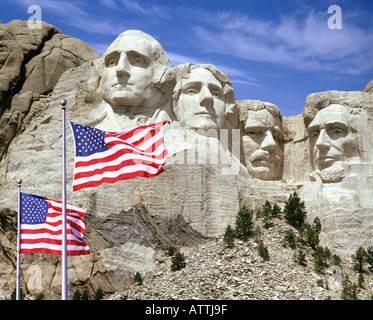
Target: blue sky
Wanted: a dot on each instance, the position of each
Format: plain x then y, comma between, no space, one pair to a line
273,50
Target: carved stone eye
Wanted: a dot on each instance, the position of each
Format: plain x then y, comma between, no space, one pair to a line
191,91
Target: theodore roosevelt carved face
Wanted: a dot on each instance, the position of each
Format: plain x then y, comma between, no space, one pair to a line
262,140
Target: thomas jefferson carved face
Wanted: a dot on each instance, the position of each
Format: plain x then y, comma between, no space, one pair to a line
201,104
262,144
332,137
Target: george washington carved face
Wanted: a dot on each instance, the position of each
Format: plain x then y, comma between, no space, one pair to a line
136,72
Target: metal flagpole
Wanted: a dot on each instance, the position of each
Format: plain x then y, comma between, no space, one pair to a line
18,284
64,234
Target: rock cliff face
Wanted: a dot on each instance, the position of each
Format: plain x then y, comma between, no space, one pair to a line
31,62
130,223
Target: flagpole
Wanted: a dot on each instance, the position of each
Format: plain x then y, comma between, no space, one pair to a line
18,281
64,287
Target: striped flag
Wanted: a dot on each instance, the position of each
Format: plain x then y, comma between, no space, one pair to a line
41,227
107,157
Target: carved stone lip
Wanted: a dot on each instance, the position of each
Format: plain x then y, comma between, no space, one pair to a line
326,159
203,113
262,162
120,84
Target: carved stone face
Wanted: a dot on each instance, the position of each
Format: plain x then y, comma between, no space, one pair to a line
201,104
262,145
128,73
331,137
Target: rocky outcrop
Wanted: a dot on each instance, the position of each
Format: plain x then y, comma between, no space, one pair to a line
31,63
369,87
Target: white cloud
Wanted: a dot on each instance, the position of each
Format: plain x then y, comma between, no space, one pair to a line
149,10
63,7
109,3
94,25
306,45
236,75
176,59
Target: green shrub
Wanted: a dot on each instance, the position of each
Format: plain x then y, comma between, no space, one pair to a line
360,280
257,233
336,260
369,258
40,296
229,236
170,251
359,258
178,261
294,211
138,278
276,211
244,223
263,251
265,214
320,283
85,295
322,257
99,294
14,294
349,290
312,236
77,295
300,257
289,239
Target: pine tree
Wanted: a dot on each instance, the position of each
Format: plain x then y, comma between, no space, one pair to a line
301,257
266,214
244,223
289,239
349,291
178,261
359,258
294,211
263,251
77,295
99,294
14,294
369,258
170,251
85,295
312,236
276,211
229,236
138,278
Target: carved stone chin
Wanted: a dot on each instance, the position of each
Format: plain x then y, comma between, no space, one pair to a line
332,174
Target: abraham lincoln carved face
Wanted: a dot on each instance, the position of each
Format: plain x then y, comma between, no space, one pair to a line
333,140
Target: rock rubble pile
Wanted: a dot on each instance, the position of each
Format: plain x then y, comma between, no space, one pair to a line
214,271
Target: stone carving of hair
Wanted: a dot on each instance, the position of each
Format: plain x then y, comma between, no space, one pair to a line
354,103
255,105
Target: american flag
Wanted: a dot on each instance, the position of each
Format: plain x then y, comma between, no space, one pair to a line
107,157
41,227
